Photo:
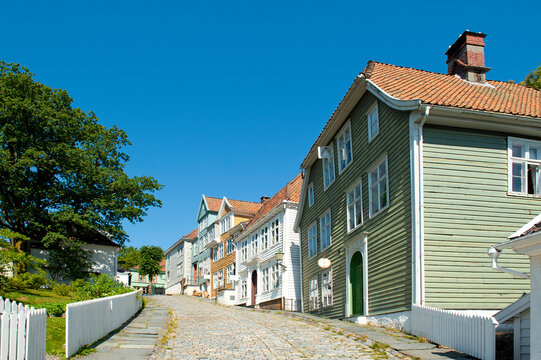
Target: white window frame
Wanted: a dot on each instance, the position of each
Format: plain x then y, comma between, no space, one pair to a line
310,193
328,163
274,236
265,237
322,228
352,201
313,294
225,223
274,282
220,278
215,254
265,278
254,244
179,270
215,280
326,288
369,120
220,251
526,161
312,240
230,246
244,289
342,150
370,186
231,270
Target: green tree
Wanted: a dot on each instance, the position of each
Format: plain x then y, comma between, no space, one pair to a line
533,79
149,261
128,257
68,261
62,172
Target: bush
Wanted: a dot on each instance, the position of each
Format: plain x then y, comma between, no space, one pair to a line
34,281
100,286
62,289
17,283
53,309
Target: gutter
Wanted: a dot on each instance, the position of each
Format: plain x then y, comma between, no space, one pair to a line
494,253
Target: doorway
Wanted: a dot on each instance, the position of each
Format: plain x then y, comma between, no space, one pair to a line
254,286
356,278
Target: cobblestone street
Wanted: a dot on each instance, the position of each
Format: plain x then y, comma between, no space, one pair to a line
206,330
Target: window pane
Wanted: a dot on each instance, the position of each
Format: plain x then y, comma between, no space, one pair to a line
358,212
534,153
374,203
518,151
518,174
351,216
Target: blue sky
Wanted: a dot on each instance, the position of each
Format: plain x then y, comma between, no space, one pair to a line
226,98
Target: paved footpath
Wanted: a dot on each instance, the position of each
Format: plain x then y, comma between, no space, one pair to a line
206,330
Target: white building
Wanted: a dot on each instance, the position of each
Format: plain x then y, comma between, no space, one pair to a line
264,279
178,264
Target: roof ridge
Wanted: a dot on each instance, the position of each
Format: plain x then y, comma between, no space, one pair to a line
252,202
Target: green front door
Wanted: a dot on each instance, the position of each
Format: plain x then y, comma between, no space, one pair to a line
356,284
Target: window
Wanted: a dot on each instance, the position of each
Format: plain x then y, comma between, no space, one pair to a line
196,247
264,238
244,250
220,278
203,223
343,146
328,168
215,254
314,294
179,270
312,240
274,276
326,288
230,271
325,230
215,280
244,289
210,234
230,246
378,188
524,167
225,223
274,232
373,122
354,207
221,251
255,244
265,278
310,194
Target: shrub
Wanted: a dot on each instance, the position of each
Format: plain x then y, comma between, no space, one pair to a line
17,283
100,286
53,309
34,281
61,289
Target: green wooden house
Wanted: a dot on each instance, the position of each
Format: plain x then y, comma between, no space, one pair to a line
413,177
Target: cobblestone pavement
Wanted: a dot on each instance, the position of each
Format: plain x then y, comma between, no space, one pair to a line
206,330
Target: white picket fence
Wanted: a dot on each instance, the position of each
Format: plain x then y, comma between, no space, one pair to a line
88,321
22,331
474,335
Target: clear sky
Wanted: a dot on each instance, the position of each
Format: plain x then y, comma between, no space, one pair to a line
226,97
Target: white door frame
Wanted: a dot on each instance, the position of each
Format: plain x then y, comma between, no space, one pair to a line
358,243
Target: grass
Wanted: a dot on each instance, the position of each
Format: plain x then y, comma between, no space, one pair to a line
37,297
56,336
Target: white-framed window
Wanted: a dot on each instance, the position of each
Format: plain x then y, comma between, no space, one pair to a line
326,288
244,250
354,206
312,240
265,238
179,270
310,194
210,234
215,254
328,168
274,232
225,223
195,248
274,276
230,246
244,289
215,280
378,187
265,277
314,294
325,230
255,244
524,167
203,223
231,269
220,278
344,148
221,251
373,122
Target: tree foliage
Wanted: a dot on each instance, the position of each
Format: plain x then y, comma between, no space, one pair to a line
69,261
533,79
62,172
149,260
128,257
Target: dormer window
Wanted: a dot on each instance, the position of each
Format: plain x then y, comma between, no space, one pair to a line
344,148
225,223
373,122
328,166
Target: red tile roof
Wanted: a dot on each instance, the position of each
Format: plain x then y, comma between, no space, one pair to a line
244,206
448,90
213,203
192,235
291,192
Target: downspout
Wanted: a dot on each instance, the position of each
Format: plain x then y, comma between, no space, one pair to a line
494,253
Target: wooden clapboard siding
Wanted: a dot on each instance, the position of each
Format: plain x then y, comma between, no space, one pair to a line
466,210
389,240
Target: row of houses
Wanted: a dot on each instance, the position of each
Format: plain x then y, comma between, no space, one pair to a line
415,175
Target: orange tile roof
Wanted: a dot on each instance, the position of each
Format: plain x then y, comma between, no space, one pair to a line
192,235
244,206
448,90
213,203
291,192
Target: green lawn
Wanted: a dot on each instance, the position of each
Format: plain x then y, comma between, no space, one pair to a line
56,326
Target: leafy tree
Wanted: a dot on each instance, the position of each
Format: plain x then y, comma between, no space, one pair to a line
69,261
9,256
128,257
149,261
62,172
533,79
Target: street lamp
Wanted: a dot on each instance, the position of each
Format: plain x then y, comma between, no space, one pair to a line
280,258
323,263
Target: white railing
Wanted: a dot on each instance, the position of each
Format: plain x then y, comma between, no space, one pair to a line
88,321
474,335
22,331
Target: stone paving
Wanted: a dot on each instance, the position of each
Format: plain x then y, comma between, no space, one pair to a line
206,330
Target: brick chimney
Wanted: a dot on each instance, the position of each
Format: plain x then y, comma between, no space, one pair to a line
264,199
466,57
